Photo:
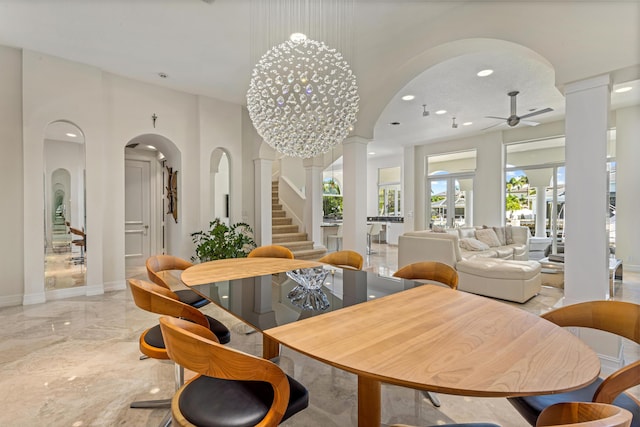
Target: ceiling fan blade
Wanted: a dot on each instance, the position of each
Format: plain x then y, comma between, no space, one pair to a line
494,117
497,124
535,113
529,123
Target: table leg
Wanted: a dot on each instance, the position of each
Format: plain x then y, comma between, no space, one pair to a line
270,348
368,402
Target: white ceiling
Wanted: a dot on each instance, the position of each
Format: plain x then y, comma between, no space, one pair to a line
204,48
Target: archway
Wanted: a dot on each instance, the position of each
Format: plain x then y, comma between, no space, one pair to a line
65,221
219,184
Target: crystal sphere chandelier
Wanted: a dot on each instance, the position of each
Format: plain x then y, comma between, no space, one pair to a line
303,98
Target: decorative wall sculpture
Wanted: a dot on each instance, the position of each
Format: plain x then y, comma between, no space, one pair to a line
172,193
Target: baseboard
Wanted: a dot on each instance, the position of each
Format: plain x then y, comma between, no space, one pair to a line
94,290
631,267
116,285
57,294
38,298
10,301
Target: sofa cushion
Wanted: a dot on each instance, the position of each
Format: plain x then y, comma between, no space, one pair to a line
467,232
495,268
488,236
500,232
508,235
471,244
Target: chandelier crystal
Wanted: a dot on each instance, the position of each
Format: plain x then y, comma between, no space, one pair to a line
303,98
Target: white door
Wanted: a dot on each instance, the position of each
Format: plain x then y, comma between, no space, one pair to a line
137,216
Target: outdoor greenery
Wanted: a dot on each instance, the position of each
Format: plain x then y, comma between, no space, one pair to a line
331,198
223,241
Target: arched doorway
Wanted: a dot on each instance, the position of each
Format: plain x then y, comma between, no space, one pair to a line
65,221
219,174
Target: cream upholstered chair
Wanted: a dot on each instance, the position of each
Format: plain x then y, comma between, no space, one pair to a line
337,237
233,388
373,231
617,317
271,251
344,259
158,267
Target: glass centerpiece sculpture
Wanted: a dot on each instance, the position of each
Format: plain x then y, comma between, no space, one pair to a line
308,293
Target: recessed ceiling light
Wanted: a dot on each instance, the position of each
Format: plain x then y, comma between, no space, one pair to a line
297,37
467,123
623,89
72,135
372,153
441,112
408,97
395,123
151,147
484,73
163,75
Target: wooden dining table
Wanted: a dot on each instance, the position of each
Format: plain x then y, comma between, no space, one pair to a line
432,338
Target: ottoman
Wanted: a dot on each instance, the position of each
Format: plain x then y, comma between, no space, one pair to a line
509,280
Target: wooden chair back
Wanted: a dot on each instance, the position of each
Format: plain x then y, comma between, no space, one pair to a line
156,299
197,349
158,263
271,251
617,317
344,259
430,270
584,414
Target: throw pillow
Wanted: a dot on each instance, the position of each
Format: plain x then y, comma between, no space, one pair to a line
438,229
467,232
488,236
508,235
471,244
501,235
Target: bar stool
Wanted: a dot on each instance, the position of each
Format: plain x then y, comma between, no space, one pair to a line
374,230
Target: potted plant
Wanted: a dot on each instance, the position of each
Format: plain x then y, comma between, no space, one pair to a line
223,241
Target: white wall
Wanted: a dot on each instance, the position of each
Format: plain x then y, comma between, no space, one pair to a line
111,111
11,207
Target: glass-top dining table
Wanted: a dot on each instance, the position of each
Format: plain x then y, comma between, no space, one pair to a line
398,331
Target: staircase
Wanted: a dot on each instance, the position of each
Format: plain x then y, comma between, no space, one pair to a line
284,233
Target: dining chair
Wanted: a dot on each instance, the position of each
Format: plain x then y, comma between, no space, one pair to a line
351,260
271,251
617,317
452,425
157,299
432,271
232,387
584,414
158,268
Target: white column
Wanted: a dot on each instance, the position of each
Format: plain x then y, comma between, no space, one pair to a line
262,201
354,172
313,206
586,201
408,188
541,212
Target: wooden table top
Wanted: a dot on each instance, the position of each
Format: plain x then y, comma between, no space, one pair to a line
446,341
240,268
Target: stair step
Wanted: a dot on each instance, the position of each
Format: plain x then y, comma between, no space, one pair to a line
276,207
281,221
298,245
310,254
288,237
280,229
278,214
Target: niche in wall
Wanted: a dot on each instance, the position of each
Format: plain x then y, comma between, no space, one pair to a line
219,184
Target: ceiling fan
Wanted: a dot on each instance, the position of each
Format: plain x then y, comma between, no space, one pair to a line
514,119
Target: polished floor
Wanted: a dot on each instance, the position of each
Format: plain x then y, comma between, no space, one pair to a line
75,362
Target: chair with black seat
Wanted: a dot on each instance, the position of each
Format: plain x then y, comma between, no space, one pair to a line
157,299
344,259
584,414
616,317
158,268
233,388
271,251
432,271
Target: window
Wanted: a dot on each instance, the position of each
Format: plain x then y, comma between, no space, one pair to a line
389,192
331,198
450,186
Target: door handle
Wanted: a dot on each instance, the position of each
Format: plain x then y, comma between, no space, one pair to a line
146,230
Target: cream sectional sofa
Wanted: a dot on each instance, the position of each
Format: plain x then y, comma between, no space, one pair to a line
499,271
